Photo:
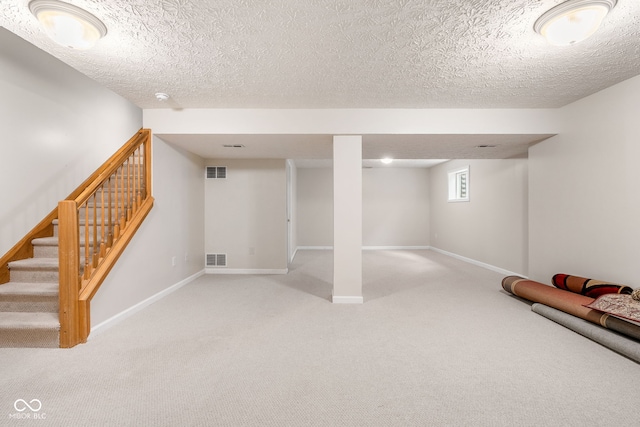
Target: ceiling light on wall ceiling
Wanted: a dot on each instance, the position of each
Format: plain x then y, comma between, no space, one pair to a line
386,160
67,24
161,96
573,20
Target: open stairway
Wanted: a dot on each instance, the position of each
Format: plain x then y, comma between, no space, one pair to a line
48,279
29,302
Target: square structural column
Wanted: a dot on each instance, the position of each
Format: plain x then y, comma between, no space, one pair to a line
347,219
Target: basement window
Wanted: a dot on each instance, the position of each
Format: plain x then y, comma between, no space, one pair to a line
459,185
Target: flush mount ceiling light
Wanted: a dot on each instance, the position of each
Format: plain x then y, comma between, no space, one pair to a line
572,21
67,24
386,160
161,96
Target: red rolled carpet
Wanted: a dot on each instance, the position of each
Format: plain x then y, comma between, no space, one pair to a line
589,287
568,302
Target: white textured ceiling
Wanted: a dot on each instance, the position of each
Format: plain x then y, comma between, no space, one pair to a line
343,54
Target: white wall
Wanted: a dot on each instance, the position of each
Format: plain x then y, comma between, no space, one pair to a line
584,207
245,214
173,228
315,207
395,207
58,126
492,227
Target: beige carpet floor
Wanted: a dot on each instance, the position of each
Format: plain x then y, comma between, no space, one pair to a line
436,343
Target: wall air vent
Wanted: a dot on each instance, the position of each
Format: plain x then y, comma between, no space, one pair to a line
216,260
216,172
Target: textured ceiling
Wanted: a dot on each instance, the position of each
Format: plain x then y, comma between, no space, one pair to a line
342,53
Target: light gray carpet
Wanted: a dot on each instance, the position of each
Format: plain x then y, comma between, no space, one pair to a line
624,345
437,343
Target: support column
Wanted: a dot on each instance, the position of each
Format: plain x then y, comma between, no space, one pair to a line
347,219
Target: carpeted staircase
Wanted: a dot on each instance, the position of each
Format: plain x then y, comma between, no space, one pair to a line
29,314
29,302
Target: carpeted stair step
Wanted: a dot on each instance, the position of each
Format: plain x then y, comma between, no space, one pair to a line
47,247
82,223
29,297
35,330
34,270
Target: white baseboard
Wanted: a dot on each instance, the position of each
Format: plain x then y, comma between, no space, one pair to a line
103,326
366,248
394,248
246,271
346,300
478,263
314,248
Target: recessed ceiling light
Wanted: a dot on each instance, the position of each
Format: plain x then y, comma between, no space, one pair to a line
161,96
573,21
386,160
68,25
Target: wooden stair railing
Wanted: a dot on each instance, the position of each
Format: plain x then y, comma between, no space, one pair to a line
107,209
108,212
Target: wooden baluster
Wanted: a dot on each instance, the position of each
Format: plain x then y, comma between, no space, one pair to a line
116,228
134,200
109,218
103,239
87,254
129,188
123,222
94,247
139,195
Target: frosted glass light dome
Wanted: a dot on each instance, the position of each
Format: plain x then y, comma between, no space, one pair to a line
573,21
68,25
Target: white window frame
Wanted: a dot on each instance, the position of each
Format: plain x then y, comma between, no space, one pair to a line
459,180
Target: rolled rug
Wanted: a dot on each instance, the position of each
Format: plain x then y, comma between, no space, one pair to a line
567,302
615,342
589,287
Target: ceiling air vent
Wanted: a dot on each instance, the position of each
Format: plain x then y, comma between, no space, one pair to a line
216,260
216,172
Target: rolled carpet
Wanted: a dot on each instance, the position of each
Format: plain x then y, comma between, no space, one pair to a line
567,302
615,342
589,287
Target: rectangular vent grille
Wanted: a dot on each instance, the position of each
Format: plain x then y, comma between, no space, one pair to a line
216,172
216,260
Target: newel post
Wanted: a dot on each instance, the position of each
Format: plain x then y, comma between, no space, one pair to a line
69,263
147,164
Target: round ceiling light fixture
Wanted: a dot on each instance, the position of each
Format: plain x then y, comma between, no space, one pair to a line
68,25
572,21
